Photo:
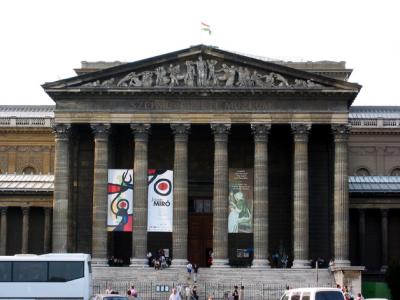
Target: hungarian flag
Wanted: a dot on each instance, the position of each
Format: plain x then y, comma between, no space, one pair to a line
205,27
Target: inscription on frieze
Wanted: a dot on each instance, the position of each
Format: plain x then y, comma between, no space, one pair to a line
203,73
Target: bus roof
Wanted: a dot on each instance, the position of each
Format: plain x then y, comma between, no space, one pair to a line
313,289
47,257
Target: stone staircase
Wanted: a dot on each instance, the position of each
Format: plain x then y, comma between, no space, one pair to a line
258,283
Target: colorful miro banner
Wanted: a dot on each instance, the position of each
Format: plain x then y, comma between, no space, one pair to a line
120,200
160,201
240,219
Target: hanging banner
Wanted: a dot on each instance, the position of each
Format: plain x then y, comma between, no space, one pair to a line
120,200
240,219
160,201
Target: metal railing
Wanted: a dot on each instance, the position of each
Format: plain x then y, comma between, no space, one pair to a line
26,122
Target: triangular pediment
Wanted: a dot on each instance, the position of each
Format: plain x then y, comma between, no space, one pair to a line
197,68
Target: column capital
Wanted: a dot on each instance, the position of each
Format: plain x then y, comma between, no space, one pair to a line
3,210
221,131
180,128
62,131
260,131
140,130
341,132
47,210
300,131
25,210
101,130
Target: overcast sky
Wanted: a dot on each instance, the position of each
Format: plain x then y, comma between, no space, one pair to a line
42,41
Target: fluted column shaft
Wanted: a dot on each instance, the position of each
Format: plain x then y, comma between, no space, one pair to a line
3,230
300,196
341,196
220,201
61,187
139,234
180,208
47,230
100,180
361,234
25,230
260,132
384,226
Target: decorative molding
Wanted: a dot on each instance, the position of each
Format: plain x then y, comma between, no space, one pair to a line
341,132
203,73
180,129
300,131
367,150
140,130
62,131
220,129
100,130
260,131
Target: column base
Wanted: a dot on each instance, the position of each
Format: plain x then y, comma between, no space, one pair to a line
99,262
342,263
220,263
301,264
139,263
179,262
260,264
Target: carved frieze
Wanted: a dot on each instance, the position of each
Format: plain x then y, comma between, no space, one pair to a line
203,73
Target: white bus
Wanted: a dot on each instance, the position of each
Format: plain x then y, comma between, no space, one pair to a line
48,276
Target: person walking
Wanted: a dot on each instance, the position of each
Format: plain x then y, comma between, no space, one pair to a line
189,268
174,295
235,293
187,293
195,271
241,293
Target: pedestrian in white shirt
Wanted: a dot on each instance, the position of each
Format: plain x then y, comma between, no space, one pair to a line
174,295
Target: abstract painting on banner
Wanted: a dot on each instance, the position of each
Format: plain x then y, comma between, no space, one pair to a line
120,200
240,219
160,201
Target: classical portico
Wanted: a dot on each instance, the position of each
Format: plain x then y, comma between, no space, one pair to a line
199,112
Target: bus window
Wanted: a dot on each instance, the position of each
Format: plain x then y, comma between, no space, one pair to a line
5,271
30,271
61,271
306,296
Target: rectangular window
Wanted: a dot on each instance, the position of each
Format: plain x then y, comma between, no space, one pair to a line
29,271
61,271
306,296
329,295
5,271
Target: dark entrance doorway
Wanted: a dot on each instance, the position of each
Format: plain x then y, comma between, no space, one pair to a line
199,238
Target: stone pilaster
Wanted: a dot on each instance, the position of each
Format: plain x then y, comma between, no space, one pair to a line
3,230
139,236
25,230
47,230
261,233
361,234
61,187
300,196
341,196
220,201
384,228
180,206
100,180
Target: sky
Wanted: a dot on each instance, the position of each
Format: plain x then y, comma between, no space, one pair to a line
44,40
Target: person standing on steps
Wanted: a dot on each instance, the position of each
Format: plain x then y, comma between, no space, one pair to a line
189,268
241,293
235,293
195,270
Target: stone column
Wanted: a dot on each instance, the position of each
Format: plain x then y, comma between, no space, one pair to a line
180,214
385,246
47,230
300,196
139,236
220,201
341,196
100,180
61,187
260,132
361,234
25,230
3,230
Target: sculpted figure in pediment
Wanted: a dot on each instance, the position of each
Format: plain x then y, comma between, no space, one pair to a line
243,77
135,81
255,79
124,81
201,72
279,80
189,76
212,79
299,83
161,76
92,84
174,75
108,82
147,78
228,76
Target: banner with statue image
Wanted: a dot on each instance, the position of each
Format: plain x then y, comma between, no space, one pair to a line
120,200
240,219
160,201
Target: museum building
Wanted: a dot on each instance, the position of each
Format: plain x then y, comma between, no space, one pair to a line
267,157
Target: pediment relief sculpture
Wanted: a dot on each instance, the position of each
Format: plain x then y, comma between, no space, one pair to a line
203,73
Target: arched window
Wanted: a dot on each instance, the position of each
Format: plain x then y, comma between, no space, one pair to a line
362,172
29,170
395,172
